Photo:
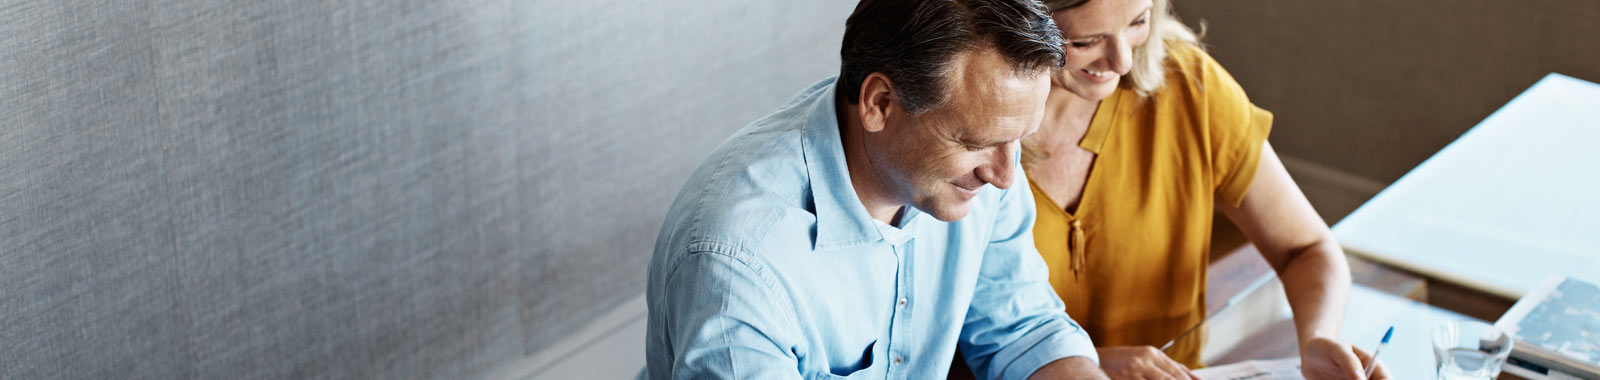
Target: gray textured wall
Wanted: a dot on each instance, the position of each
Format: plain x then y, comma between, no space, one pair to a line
1374,87
354,189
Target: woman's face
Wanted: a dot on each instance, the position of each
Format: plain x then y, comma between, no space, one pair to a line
1101,35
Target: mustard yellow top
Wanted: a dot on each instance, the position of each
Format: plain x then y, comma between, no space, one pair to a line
1131,263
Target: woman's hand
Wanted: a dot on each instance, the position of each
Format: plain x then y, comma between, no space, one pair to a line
1326,359
1141,362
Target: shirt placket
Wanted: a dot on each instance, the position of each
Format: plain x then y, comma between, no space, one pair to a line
900,339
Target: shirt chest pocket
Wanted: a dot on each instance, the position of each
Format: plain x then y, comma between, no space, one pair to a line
870,366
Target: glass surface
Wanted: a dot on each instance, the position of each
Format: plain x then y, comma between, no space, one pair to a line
1469,350
1258,325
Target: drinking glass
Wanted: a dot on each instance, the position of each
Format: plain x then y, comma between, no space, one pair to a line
1469,350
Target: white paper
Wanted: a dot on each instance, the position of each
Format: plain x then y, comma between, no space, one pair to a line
1278,369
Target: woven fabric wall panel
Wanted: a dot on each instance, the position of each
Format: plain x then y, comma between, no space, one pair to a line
355,189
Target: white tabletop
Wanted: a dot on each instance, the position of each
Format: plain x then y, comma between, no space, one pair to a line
1514,199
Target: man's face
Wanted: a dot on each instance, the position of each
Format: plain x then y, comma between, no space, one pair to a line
937,161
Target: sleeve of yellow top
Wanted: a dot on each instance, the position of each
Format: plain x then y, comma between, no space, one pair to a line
1237,129
1233,187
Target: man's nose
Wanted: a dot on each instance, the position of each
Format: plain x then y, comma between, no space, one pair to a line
999,171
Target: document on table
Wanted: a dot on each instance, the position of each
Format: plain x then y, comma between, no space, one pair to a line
1276,369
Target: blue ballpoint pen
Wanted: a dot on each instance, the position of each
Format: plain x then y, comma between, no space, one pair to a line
1372,365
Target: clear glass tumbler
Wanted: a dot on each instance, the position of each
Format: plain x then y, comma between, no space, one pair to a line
1469,350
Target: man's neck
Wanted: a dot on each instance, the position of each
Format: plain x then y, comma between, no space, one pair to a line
863,178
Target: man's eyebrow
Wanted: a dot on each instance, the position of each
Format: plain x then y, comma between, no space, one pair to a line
975,141
987,142
972,142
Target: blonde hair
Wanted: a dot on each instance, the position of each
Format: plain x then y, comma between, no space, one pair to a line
1149,60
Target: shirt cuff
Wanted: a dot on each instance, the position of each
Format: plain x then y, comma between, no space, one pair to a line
1067,341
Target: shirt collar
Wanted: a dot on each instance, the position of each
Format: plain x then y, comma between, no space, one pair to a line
842,221
1095,138
903,233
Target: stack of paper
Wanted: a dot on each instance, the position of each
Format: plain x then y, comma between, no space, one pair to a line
1279,369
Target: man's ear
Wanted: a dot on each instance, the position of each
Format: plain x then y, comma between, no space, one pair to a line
877,100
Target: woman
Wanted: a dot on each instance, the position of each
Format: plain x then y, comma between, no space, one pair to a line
1144,133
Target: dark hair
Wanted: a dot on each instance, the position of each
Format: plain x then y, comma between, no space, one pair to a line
914,41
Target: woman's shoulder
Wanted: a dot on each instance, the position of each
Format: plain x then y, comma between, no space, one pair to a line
1186,55
1194,77
1188,66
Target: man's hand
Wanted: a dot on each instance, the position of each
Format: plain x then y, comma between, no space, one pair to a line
1141,362
1076,367
1326,359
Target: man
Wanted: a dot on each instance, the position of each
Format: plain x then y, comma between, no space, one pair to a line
874,223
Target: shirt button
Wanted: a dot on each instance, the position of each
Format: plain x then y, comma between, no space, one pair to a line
902,302
899,359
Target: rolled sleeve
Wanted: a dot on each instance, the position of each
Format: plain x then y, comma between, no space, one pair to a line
1017,323
1044,345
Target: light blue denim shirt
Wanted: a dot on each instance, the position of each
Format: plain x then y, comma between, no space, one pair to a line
768,267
